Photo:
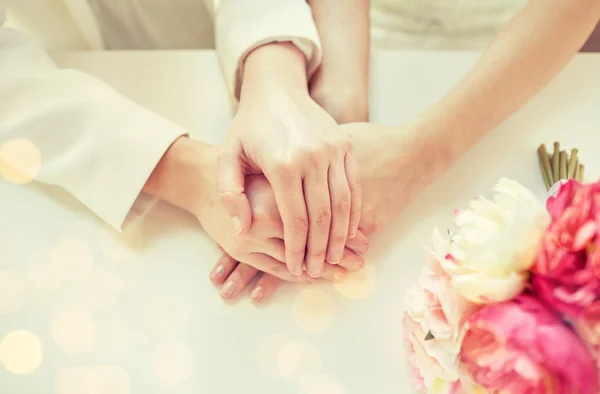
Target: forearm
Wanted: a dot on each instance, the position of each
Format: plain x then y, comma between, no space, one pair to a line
279,66
525,56
344,29
180,178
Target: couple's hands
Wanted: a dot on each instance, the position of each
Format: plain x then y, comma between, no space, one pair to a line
279,131
391,177
262,246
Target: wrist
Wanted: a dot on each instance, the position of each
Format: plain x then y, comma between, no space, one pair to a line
184,175
275,65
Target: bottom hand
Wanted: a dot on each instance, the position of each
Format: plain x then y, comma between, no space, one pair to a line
234,277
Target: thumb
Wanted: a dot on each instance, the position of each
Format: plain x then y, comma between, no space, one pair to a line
231,181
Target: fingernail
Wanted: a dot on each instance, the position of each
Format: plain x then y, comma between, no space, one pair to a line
218,272
352,235
364,249
298,270
334,258
315,272
228,289
257,294
338,277
237,224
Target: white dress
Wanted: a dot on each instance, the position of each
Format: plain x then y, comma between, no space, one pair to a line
439,24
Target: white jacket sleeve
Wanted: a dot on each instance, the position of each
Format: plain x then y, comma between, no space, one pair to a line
243,25
94,143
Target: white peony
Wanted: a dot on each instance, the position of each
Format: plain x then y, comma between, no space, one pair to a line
496,243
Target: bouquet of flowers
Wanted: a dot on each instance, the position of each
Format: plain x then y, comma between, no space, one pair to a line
509,301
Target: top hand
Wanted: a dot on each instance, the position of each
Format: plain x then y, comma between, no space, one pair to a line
394,169
279,131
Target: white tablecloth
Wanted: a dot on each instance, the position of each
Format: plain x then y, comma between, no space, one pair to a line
139,315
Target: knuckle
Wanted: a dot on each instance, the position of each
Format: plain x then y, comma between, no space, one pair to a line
286,166
297,252
300,224
314,158
355,187
345,145
277,270
319,254
337,239
323,218
342,205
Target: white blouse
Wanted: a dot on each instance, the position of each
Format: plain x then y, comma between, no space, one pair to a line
439,24
154,24
426,24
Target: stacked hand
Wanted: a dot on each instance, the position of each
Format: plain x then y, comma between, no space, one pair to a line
261,248
388,186
281,133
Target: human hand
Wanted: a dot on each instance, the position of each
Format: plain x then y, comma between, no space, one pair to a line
394,168
279,131
383,153
232,276
261,247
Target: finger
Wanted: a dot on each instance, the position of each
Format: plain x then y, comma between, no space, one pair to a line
231,183
222,269
289,197
318,204
359,244
264,288
353,179
239,278
352,261
276,268
340,210
273,247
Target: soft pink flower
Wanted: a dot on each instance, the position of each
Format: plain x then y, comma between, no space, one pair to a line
565,274
416,378
521,347
434,308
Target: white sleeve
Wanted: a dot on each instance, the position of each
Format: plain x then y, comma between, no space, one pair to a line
243,25
94,143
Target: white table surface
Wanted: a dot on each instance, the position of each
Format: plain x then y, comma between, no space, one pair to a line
138,315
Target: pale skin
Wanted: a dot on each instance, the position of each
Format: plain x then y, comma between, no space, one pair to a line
186,177
526,55
281,132
341,84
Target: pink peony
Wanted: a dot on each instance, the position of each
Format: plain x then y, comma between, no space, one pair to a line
416,378
565,272
433,329
521,347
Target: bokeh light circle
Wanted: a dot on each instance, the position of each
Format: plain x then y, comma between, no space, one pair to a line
21,352
299,361
109,379
72,380
357,285
20,161
74,331
314,310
